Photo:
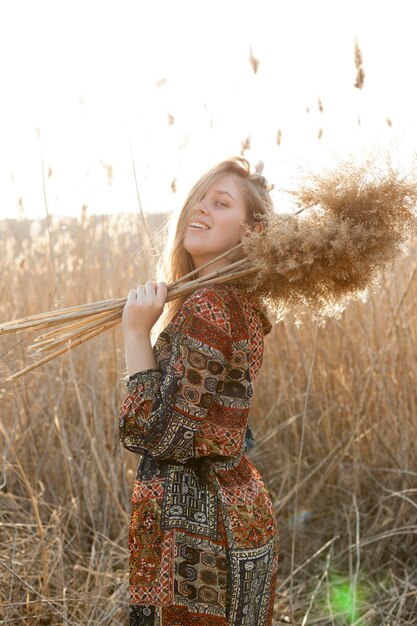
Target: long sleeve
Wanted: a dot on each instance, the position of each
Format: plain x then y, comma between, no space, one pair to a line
197,405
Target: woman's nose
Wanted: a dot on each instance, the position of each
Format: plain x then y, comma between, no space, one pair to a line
200,208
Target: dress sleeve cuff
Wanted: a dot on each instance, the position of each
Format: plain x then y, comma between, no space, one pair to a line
148,382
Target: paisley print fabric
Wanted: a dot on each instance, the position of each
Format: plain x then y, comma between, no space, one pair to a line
203,539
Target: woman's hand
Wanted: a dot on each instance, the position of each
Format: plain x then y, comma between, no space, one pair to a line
143,308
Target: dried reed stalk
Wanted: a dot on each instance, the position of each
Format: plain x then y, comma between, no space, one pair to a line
97,317
360,221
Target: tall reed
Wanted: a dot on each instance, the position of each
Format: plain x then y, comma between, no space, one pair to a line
334,420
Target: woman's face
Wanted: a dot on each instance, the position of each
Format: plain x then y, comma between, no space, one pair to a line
216,223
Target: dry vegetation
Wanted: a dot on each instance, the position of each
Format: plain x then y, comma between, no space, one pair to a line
334,418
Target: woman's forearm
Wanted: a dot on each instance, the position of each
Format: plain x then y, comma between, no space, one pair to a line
143,308
139,353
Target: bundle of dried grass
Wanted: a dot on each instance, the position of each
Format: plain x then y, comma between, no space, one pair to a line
75,325
357,223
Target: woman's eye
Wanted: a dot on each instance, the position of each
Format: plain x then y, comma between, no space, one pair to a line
222,203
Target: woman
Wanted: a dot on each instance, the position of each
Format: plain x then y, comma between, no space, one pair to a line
203,538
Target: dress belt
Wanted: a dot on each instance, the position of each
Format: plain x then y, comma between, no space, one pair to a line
203,466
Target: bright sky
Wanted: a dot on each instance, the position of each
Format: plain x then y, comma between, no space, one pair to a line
82,81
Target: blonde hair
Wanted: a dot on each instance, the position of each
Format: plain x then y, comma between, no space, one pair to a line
259,206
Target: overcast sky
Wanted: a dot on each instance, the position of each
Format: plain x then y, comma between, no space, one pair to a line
83,83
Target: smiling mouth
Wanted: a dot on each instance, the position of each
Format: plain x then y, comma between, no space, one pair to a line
198,226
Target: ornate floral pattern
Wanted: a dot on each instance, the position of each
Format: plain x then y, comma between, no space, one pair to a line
203,539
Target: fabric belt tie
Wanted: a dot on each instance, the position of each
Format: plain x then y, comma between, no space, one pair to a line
203,466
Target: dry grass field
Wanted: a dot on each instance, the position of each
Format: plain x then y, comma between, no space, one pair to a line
334,418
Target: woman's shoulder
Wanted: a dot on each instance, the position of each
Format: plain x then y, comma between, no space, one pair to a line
211,303
224,296
215,294
225,303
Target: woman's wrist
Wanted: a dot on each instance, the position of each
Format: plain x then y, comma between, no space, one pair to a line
136,334
139,353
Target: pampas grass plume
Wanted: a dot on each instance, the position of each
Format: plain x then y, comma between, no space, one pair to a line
354,223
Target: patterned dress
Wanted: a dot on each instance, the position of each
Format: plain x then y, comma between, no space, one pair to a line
203,538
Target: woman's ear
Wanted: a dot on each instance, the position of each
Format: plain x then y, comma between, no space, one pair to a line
259,227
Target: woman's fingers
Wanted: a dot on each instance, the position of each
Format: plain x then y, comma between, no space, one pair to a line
146,293
140,293
150,288
143,307
149,292
161,292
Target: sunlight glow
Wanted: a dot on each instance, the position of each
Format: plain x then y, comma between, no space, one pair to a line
87,82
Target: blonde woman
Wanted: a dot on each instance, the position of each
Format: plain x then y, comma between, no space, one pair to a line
203,539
